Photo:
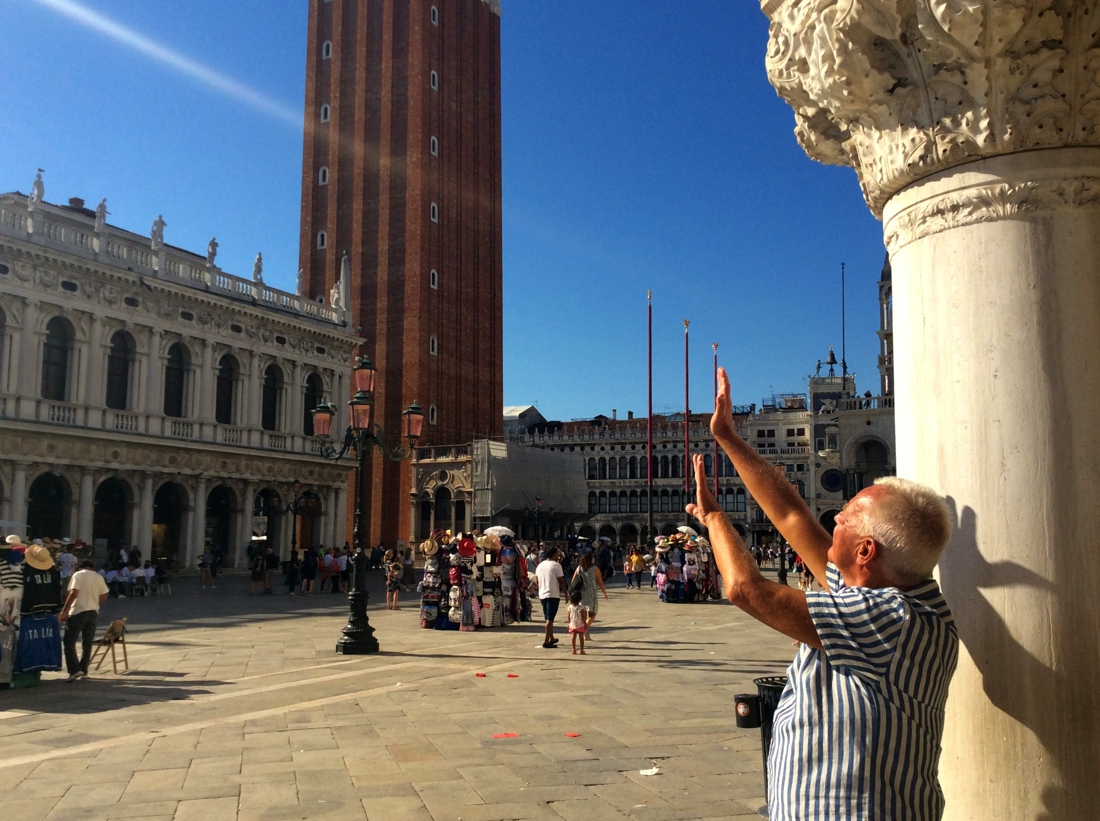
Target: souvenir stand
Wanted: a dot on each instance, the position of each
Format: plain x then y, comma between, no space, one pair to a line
472,583
686,570
30,599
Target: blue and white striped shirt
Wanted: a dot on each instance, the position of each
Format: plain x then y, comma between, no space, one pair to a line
857,731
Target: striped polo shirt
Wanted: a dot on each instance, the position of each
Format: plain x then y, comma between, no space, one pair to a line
857,731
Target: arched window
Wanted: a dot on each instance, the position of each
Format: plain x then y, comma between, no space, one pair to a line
612,468
225,390
675,501
664,501
175,380
708,464
56,350
643,499
433,212
632,469
433,415
592,502
322,240
120,360
272,391
674,464
325,110
664,468
315,392
433,278
435,16
739,500
433,80
643,472
623,467
326,49
613,502
433,146
603,468
433,345
633,501
603,502
623,497
322,175
592,468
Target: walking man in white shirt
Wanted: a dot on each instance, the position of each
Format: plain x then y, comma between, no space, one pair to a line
79,614
551,588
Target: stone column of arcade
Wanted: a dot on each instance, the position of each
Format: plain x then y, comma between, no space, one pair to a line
974,129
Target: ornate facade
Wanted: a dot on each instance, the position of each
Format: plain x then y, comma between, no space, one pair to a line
149,398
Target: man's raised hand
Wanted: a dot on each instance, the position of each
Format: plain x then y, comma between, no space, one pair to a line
721,423
705,503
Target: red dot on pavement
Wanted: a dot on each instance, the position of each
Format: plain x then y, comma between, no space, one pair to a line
506,735
572,735
480,675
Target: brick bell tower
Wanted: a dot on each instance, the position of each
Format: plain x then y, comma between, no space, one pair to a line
402,169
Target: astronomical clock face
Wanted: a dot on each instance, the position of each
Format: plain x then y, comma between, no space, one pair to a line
832,481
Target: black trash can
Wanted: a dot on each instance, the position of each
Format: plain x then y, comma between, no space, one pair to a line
769,689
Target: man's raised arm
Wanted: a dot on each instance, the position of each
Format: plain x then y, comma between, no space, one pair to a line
777,497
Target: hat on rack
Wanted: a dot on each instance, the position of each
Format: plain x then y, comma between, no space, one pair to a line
13,540
506,540
66,540
467,547
430,547
37,542
39,557
661,548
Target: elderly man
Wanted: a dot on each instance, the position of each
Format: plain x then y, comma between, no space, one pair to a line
857,731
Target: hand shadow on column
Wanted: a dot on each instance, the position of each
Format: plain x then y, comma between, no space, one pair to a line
1016,682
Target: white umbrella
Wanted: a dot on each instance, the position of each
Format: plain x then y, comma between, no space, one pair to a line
498,531
605,539
685,529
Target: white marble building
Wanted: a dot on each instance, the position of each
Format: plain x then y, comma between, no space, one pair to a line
147,397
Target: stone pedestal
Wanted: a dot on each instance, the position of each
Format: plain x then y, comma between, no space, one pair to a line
973,128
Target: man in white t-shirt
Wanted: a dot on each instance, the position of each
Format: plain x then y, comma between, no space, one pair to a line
79,614
551,580
67,562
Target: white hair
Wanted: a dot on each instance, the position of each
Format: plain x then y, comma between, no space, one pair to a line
912,523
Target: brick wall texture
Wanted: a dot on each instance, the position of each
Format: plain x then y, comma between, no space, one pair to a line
384,186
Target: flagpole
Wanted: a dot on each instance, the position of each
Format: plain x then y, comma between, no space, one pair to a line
714,345
651,537
687,420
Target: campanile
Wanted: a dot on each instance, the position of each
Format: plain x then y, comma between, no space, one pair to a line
402,170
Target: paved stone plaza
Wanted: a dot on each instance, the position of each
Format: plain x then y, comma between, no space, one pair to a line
237,707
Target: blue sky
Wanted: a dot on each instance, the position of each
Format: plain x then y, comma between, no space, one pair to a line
643,149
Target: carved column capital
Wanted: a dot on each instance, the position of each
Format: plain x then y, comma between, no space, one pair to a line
900,90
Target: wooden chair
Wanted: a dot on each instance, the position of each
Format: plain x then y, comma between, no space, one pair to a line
115,635
139,588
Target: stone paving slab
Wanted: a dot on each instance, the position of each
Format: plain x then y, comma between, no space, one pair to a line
237,707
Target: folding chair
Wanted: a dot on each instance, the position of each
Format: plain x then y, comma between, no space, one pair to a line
116,634
139,588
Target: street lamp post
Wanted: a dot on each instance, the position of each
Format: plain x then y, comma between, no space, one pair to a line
295,510
538,522
363,436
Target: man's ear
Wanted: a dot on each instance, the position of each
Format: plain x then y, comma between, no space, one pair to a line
867,550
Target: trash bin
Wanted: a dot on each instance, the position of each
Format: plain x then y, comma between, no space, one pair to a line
769,689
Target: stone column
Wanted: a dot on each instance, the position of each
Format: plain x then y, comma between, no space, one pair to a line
974,130
198,523
29,362
18,512
295,401
143,538
244,524
86,507
153,400
203,404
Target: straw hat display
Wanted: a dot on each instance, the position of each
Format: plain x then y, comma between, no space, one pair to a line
429,547
14,541
38,557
